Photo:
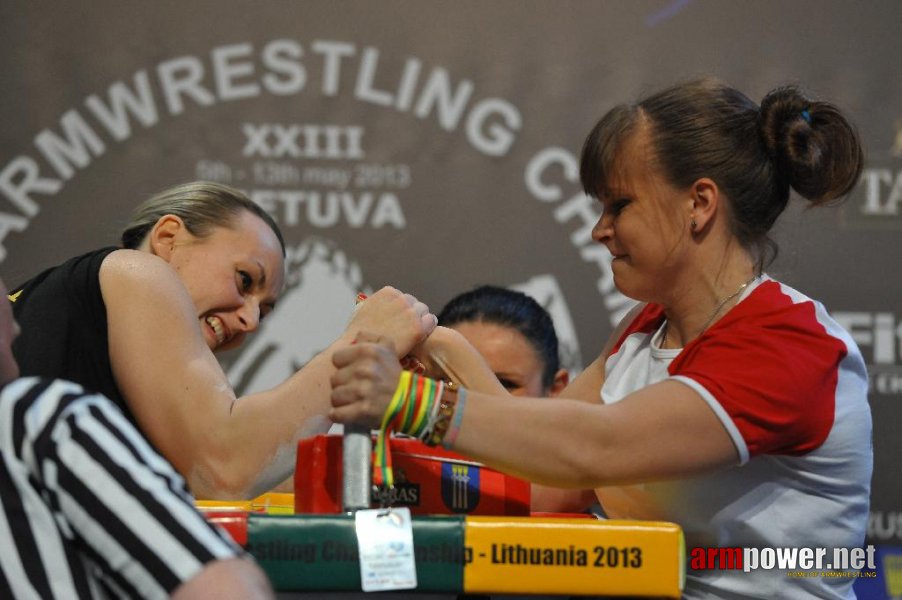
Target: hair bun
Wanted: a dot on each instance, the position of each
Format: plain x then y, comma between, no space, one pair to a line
814,148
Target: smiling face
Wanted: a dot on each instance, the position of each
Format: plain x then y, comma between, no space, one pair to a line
233,275
644,222
509,354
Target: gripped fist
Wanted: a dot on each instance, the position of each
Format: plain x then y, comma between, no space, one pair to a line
365,381
396,316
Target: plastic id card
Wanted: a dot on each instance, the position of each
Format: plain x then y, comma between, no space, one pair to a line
385,543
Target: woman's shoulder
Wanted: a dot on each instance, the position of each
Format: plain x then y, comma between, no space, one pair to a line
774,304
135,271
135,264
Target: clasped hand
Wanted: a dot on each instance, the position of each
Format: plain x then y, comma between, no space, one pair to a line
366,379
386,326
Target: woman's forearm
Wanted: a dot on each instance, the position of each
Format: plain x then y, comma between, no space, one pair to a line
249,444
451,356
258,442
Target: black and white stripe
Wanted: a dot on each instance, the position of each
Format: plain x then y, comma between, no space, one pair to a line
87,504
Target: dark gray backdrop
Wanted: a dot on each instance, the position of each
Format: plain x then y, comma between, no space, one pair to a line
430,145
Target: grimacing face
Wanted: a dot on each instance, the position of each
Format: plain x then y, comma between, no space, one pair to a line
640,223
233,275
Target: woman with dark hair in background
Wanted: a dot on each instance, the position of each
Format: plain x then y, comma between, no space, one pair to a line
516,337
737,402
200,266
514,334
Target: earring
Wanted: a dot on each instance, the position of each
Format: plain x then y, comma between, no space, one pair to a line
692,225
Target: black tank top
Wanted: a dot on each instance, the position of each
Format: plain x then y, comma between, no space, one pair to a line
64,326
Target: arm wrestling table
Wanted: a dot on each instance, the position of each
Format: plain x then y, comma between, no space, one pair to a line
472,532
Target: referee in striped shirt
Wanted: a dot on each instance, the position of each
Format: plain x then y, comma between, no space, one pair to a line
88,509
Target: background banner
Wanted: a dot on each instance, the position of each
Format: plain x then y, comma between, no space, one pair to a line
433,146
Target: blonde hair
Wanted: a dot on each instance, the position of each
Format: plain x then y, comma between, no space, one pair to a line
202,205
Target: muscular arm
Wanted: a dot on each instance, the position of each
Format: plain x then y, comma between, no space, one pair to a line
662,431
225,446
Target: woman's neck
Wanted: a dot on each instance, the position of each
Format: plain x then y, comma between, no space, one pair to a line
704,295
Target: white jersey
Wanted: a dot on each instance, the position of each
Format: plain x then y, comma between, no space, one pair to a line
790,387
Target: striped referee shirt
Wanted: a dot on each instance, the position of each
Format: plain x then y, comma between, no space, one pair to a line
87,508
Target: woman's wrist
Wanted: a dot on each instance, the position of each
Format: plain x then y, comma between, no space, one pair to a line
423,407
